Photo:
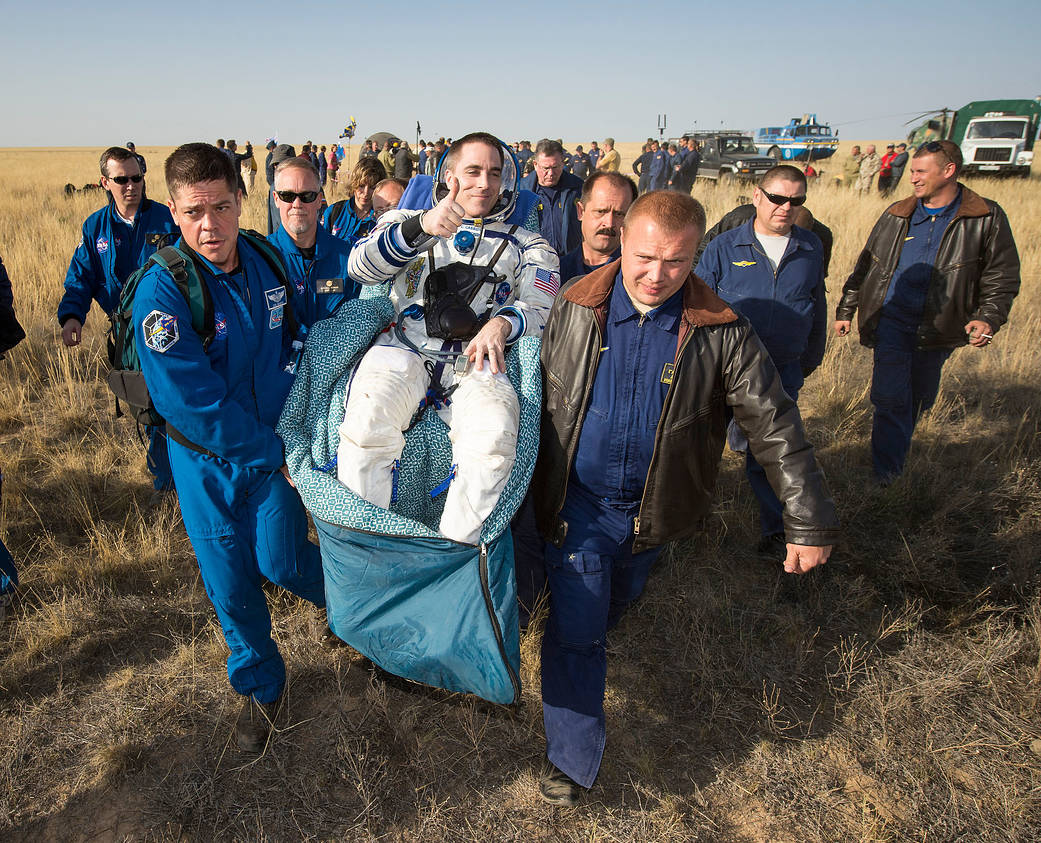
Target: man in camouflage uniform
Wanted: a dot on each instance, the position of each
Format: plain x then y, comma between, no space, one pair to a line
869,165
851,167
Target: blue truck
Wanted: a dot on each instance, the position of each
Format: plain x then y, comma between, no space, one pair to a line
803,139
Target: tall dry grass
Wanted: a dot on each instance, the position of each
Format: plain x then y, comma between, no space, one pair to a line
891,696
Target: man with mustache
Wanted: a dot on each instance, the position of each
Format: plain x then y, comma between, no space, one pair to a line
605,198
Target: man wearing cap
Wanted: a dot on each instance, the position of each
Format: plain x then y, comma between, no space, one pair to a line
939,271
140,158
279,153
115,241
771,272
609,160
885,172
896,166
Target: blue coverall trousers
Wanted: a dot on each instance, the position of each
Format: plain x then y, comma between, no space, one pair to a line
158,459
246,524
904,385
593,578
8,572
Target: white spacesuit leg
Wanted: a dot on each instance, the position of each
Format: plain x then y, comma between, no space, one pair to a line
485,416
385,393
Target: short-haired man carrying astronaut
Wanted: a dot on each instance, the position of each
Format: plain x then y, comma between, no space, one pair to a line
492,284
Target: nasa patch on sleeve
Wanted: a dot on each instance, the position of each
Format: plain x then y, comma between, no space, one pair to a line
160,331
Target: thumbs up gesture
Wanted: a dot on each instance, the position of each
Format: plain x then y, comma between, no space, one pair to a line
444,219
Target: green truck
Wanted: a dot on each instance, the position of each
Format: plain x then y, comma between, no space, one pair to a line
996,136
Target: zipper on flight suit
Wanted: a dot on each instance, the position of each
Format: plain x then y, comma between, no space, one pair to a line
658,429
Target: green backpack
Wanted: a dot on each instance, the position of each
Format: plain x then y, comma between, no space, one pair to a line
125,378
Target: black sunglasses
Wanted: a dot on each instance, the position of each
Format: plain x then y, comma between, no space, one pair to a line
934,147
121,180
289,196
778,199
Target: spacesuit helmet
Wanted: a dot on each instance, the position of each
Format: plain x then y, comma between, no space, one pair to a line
502,209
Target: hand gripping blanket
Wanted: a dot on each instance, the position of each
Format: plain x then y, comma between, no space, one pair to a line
418,605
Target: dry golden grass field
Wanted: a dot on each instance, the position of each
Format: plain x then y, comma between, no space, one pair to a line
892,695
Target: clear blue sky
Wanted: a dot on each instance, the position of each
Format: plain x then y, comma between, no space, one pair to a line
164,73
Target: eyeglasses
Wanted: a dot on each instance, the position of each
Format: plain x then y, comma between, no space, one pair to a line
122,180
289,196
779,199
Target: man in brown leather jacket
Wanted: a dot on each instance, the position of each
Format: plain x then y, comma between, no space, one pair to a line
939,271
640,361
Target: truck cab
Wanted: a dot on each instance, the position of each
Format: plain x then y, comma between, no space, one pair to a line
997,143
730,156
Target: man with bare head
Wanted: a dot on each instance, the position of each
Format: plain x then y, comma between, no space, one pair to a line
558,191
870,164
316,261
605,199
386,195
939,271
771,271
641,361
221,397
494,284
116,240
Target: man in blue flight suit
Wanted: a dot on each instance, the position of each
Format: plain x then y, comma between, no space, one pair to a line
658,168
116,240
771,272
558,192
640,362
221,403
316,261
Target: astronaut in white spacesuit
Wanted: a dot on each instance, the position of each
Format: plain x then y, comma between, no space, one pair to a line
464,286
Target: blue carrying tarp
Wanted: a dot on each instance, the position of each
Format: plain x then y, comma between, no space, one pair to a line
416,604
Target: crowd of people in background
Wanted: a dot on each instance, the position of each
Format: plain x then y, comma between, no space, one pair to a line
607,257
860,168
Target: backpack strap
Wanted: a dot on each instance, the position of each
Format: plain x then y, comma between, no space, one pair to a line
196,292
335,212
277,265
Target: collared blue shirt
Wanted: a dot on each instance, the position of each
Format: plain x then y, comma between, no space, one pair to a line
321,284
632,379
905,299
788,310
573,264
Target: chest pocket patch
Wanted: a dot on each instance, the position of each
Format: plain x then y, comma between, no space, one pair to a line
276,298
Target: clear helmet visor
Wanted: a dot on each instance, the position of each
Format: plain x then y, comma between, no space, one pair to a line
503,207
